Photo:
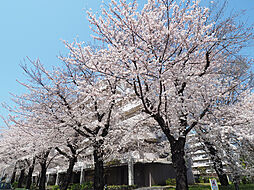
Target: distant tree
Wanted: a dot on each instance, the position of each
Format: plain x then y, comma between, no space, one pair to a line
78,99
16,151
239,69
28,119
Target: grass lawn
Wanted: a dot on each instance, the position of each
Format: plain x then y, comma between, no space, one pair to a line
206,186
200,186
231,187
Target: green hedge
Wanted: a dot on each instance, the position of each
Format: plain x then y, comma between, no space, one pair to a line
76,186
230,187
54,187
89,186
120,187
15,185
84,186
247,186
171,181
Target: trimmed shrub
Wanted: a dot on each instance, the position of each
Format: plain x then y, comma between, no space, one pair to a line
171,181
87,185
15,185
75,186
120,187
55,187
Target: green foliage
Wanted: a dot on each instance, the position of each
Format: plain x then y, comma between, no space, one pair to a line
247,180
15,185
247,186
75,186
120,187
200,180
200,187
230,187
202,170
113,162
87,185
171,181
54,187
33,186
4,185
205,179
241,186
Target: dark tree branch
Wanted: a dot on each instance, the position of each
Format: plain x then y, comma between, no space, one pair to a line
196,122
207,64
62,153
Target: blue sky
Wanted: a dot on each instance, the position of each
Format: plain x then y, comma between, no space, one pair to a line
35,28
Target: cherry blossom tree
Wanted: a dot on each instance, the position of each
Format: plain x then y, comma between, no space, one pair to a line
243,131
78,99
228,143
31,164
140,136
29,118
14,153
211,140
18,152
71,150
173,59
172,56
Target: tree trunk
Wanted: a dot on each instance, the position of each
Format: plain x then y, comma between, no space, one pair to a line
13,176
236,181
236,186
220,173
43,164
68,175
177,151
42,181
98,167
38,180
21,178
217,164
30,175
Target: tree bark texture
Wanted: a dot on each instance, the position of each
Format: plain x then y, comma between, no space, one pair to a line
13,176
43,177
236,186
217,164
236,181
68,176
98,166
30,175
43,164
38,180
177,151
21,178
